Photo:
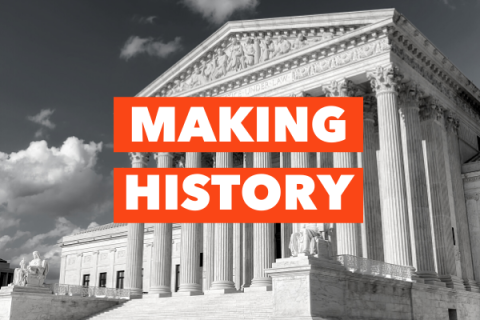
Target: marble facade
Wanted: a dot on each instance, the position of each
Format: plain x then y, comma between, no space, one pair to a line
421,124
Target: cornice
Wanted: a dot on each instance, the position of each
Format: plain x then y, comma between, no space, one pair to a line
423,49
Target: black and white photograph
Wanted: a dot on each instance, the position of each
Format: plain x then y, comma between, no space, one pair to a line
414,64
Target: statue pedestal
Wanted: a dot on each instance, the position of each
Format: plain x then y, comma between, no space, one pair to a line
306,287
18,289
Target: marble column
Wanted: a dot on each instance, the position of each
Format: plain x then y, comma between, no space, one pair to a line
247,233
223,247
474,228
416,185
433,132
286,228
395,224
238,255
208,253
372,224
191,244
348,235
247,249
135,233
160,275
452,125
299,160
263,237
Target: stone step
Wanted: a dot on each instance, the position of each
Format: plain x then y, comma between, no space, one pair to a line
251,306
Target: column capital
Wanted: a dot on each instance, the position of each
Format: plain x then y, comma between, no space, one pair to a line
385,79
340,88
409,94
156,155
451,122
140,158
431,109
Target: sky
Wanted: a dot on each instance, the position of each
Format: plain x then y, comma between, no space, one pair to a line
62,62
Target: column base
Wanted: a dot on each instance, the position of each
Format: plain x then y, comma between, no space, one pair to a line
452,282
430,278
261,282
471,285
221,291
157,295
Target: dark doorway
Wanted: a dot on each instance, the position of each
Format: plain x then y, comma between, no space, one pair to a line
452,314
278,240
177,277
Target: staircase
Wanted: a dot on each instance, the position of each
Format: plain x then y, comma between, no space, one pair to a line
250,305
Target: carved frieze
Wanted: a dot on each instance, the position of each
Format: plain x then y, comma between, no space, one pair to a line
242,51
320,64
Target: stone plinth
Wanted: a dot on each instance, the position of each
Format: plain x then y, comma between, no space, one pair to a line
33,303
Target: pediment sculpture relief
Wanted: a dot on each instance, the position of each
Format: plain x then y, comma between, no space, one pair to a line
32,275
240,53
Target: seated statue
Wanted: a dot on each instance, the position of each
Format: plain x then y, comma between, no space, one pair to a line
309,241
37,271
20,275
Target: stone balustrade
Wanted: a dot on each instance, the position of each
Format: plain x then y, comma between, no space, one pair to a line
375,268
97,292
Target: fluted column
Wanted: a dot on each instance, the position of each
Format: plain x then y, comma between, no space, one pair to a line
474,228
299,160
160,276
263,236
372,224
395,224
208,253
433,131
238,255
452,125
286,228
135,233
223,247
416,184
191,244
348,235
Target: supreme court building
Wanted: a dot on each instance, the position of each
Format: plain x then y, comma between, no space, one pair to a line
417,254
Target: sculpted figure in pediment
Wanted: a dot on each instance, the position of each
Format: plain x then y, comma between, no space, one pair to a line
282,46
266,49
250,52
197,78
220,64
300,42
237,57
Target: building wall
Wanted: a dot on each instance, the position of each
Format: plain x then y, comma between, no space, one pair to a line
103,250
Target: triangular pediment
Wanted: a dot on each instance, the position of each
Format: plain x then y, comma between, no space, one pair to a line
243,45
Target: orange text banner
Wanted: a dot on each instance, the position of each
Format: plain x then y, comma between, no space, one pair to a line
194,124
240,195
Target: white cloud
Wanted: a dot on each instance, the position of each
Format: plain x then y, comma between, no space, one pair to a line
43,119
144,20
136,45
218,11
47,193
